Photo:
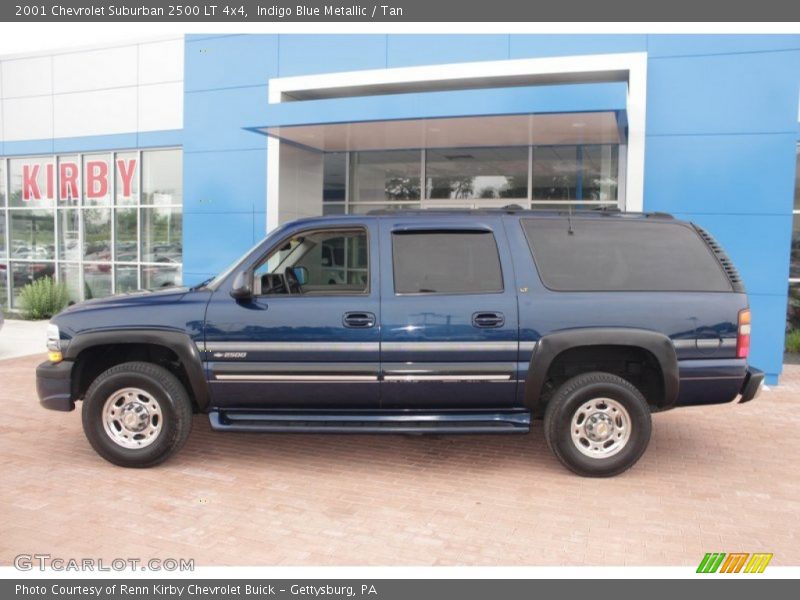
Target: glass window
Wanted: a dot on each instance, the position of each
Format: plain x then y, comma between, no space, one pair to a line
102,200
326,262
162,232
162,177
599,172
32,182
69,180
126,191
96,281
612,255
381,176
3,284
334,178
555,173
333,209
793,311
363,209
126,237
96,180
24,273
3,253
155,277
70,275
32,235
794,267
446,262
97,234
69,242
477,173
126,278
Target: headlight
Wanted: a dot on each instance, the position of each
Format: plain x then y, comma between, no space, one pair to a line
53,343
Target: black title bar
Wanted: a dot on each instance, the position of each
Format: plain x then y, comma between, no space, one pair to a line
399,11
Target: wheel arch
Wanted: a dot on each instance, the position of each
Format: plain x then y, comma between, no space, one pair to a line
176,342
552,345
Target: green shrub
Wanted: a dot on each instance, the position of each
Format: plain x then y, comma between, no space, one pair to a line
793,341
43,298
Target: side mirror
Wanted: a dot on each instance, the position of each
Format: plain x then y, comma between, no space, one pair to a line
241,289
300,274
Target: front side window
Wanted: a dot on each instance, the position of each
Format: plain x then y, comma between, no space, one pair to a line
446,262
316,263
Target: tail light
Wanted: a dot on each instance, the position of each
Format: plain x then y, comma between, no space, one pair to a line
743,334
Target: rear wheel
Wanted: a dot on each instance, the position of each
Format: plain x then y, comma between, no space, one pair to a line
597,424
136,414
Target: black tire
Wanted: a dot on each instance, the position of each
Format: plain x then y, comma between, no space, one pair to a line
569,398
164,388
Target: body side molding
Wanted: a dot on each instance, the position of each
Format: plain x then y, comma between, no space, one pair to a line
553,344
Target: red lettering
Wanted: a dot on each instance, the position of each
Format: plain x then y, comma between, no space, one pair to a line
50,180
30,185
96,179
126,170
68,173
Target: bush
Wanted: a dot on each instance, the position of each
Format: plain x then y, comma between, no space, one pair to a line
793,341
43,298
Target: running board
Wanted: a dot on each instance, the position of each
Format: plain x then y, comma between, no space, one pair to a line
371,422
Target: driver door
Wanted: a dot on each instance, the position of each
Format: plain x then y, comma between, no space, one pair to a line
309,335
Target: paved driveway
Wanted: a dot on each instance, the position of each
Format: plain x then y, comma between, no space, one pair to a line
714,479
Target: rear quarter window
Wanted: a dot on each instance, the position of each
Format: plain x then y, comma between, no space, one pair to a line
617,255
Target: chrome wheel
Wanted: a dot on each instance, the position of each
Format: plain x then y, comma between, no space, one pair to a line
132,418
601,427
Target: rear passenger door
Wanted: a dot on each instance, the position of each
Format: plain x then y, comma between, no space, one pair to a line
449,319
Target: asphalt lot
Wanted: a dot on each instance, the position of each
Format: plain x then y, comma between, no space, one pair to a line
720,479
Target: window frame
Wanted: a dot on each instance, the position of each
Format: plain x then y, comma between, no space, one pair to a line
57,204
446,230
250,273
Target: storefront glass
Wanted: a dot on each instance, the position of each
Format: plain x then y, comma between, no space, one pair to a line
100,222
547,176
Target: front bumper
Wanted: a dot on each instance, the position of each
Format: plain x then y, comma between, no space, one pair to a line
751,387
54,385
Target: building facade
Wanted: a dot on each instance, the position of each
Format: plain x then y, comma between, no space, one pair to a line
154,163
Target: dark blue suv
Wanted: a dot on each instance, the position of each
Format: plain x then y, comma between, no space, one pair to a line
420,322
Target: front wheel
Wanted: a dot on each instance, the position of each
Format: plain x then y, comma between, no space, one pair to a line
597,424
136,414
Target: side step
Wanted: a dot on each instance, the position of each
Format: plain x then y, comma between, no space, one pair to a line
371,422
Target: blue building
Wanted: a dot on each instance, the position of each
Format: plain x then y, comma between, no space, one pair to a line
158,161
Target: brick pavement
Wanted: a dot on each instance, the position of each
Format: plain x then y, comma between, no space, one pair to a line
714,479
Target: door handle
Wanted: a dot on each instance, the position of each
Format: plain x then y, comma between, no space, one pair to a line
360,320
488,319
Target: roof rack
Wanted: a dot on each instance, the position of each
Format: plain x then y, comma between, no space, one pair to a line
516,208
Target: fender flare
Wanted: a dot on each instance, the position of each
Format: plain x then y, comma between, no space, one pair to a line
553,344
177,341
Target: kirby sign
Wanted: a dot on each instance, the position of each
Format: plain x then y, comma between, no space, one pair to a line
39,180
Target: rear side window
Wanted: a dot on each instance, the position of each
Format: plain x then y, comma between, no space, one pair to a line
606,255
445,262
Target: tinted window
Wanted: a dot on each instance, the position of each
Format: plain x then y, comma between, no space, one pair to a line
622,256
446,262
